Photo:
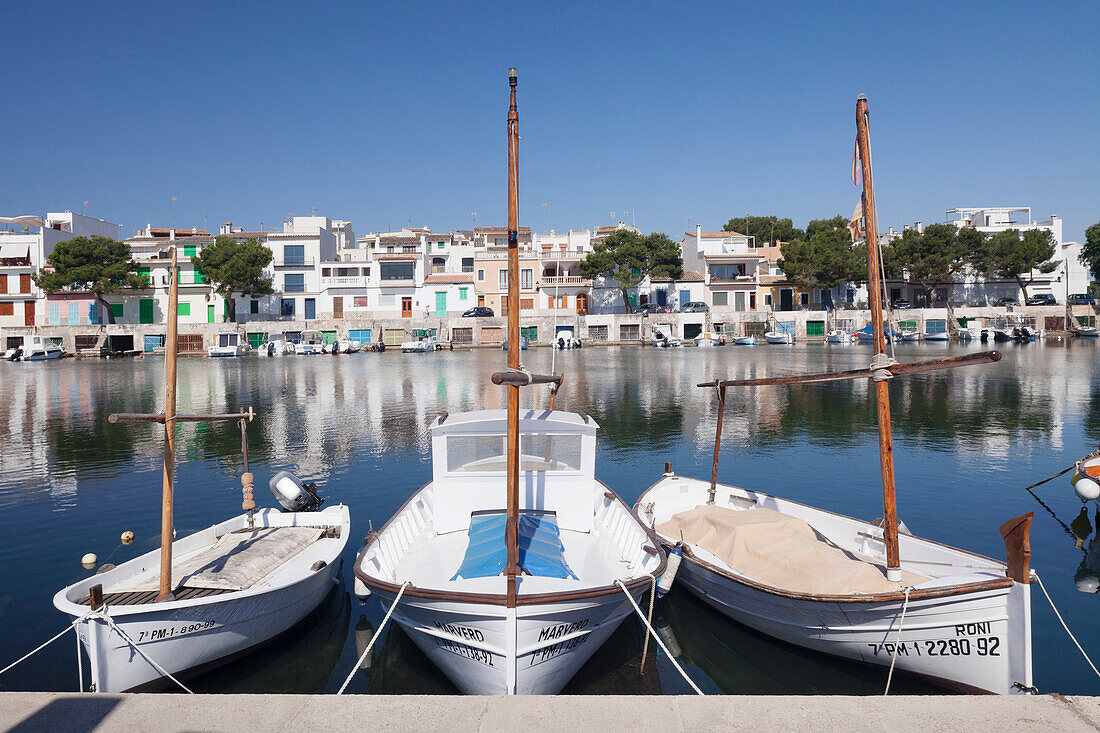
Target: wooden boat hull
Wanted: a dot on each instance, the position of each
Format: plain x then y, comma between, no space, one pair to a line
745,341
971,631
487,649
778,338
198,632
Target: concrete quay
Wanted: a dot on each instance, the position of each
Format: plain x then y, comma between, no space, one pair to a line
165,713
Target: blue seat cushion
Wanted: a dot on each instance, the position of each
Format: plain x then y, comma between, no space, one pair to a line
541,552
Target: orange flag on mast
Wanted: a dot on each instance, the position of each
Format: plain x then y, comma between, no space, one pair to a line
855,224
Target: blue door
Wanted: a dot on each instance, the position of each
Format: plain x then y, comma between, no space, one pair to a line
685,297
311,309
662,298
362,335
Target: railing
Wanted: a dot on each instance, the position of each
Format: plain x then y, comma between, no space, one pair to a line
737,279
345,281
295,263
564,280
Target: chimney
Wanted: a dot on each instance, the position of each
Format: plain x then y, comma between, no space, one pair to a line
698,232
171,235
919,226
194,230
148,228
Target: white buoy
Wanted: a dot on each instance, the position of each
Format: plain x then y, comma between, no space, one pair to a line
89,560
127,537
665,583
361,590
1086,489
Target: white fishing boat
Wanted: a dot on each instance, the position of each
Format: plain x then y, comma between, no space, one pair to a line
349,346
311,343
228,343
213,594
38,348
779,337
839,336
907,335
662,335
709,338
514,564
277,345
817,580
868,591
1090,332
576,538
745,341
940,336
422,345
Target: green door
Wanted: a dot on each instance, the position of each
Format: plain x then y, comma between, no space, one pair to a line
210,314
441,303
815,328
145,310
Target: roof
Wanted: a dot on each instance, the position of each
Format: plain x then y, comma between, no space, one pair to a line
399,240
554,419
398,256
154,232
691,276
499,230
712,235
449,277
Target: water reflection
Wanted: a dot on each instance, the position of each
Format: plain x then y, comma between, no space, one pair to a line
966,441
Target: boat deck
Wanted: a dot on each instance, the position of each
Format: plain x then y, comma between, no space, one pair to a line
592,556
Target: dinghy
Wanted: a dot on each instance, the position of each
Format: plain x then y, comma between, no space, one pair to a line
513,564
868,591
839,336
216,593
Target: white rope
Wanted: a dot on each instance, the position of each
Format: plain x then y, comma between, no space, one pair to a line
658,638
897,642
43,646
880,367
652,597
370,645
1071,636
126,637
79,666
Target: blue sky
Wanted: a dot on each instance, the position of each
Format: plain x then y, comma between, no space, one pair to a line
391,113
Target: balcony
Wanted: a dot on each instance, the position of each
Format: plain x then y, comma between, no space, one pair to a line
345,281
295,263
564,280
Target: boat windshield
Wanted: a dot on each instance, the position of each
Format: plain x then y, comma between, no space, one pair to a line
227,339
487,454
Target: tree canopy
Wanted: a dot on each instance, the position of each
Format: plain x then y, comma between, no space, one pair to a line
231,266
932,257
824,257
1090,253
627,257
91,264
1013,255
766,229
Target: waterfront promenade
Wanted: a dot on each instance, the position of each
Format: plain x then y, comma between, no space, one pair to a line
39,711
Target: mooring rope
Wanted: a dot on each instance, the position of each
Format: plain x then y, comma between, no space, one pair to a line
1062,621
652,597
79,666
880,367
897,642
102,613
370,644
657,638
28,655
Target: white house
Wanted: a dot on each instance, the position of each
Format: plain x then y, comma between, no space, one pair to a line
730,266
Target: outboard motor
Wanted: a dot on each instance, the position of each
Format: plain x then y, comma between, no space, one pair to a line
294,495
16,354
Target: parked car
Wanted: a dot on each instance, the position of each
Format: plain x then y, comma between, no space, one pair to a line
1042,299
479,311
647,308
902,304
1007,301
695,306
1081,299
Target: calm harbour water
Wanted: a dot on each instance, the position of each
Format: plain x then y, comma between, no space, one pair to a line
966,443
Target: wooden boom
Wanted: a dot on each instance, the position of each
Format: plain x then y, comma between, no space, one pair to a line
983,357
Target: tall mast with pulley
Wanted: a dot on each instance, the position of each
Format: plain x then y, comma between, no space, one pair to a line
511,529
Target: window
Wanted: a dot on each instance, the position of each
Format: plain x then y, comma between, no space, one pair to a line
726,272
117,310
294,283
439,264
481,275
310,309
359,301
563,301
467,264
739,301
597,333
531,333
629,332
3,283
294,254
526,279
440,245
719,298
752,301
199,279
804,298
287,308
462,293
473,453
481,300
767,300
481,453
462,335
183,309
500,241
254,306
189,250
503,275
398,270
527,303
7,309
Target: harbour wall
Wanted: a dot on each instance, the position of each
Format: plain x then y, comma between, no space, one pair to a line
541,330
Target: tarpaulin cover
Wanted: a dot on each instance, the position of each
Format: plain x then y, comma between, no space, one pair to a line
540,550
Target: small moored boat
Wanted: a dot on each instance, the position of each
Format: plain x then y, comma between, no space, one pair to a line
38,348
419,346
228,343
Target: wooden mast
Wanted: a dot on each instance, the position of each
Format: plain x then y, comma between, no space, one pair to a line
882,389
512,525
169,439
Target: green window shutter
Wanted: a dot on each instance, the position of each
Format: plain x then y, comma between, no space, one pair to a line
116,310
462,293
189,250
199,279
254,306
143,271
183,309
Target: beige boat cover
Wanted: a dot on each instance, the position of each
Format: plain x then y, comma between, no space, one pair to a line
237,560
781,551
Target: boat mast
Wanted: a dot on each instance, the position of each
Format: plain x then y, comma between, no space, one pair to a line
512,524
882,389
165,593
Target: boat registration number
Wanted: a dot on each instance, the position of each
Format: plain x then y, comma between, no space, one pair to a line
170,631
982,646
